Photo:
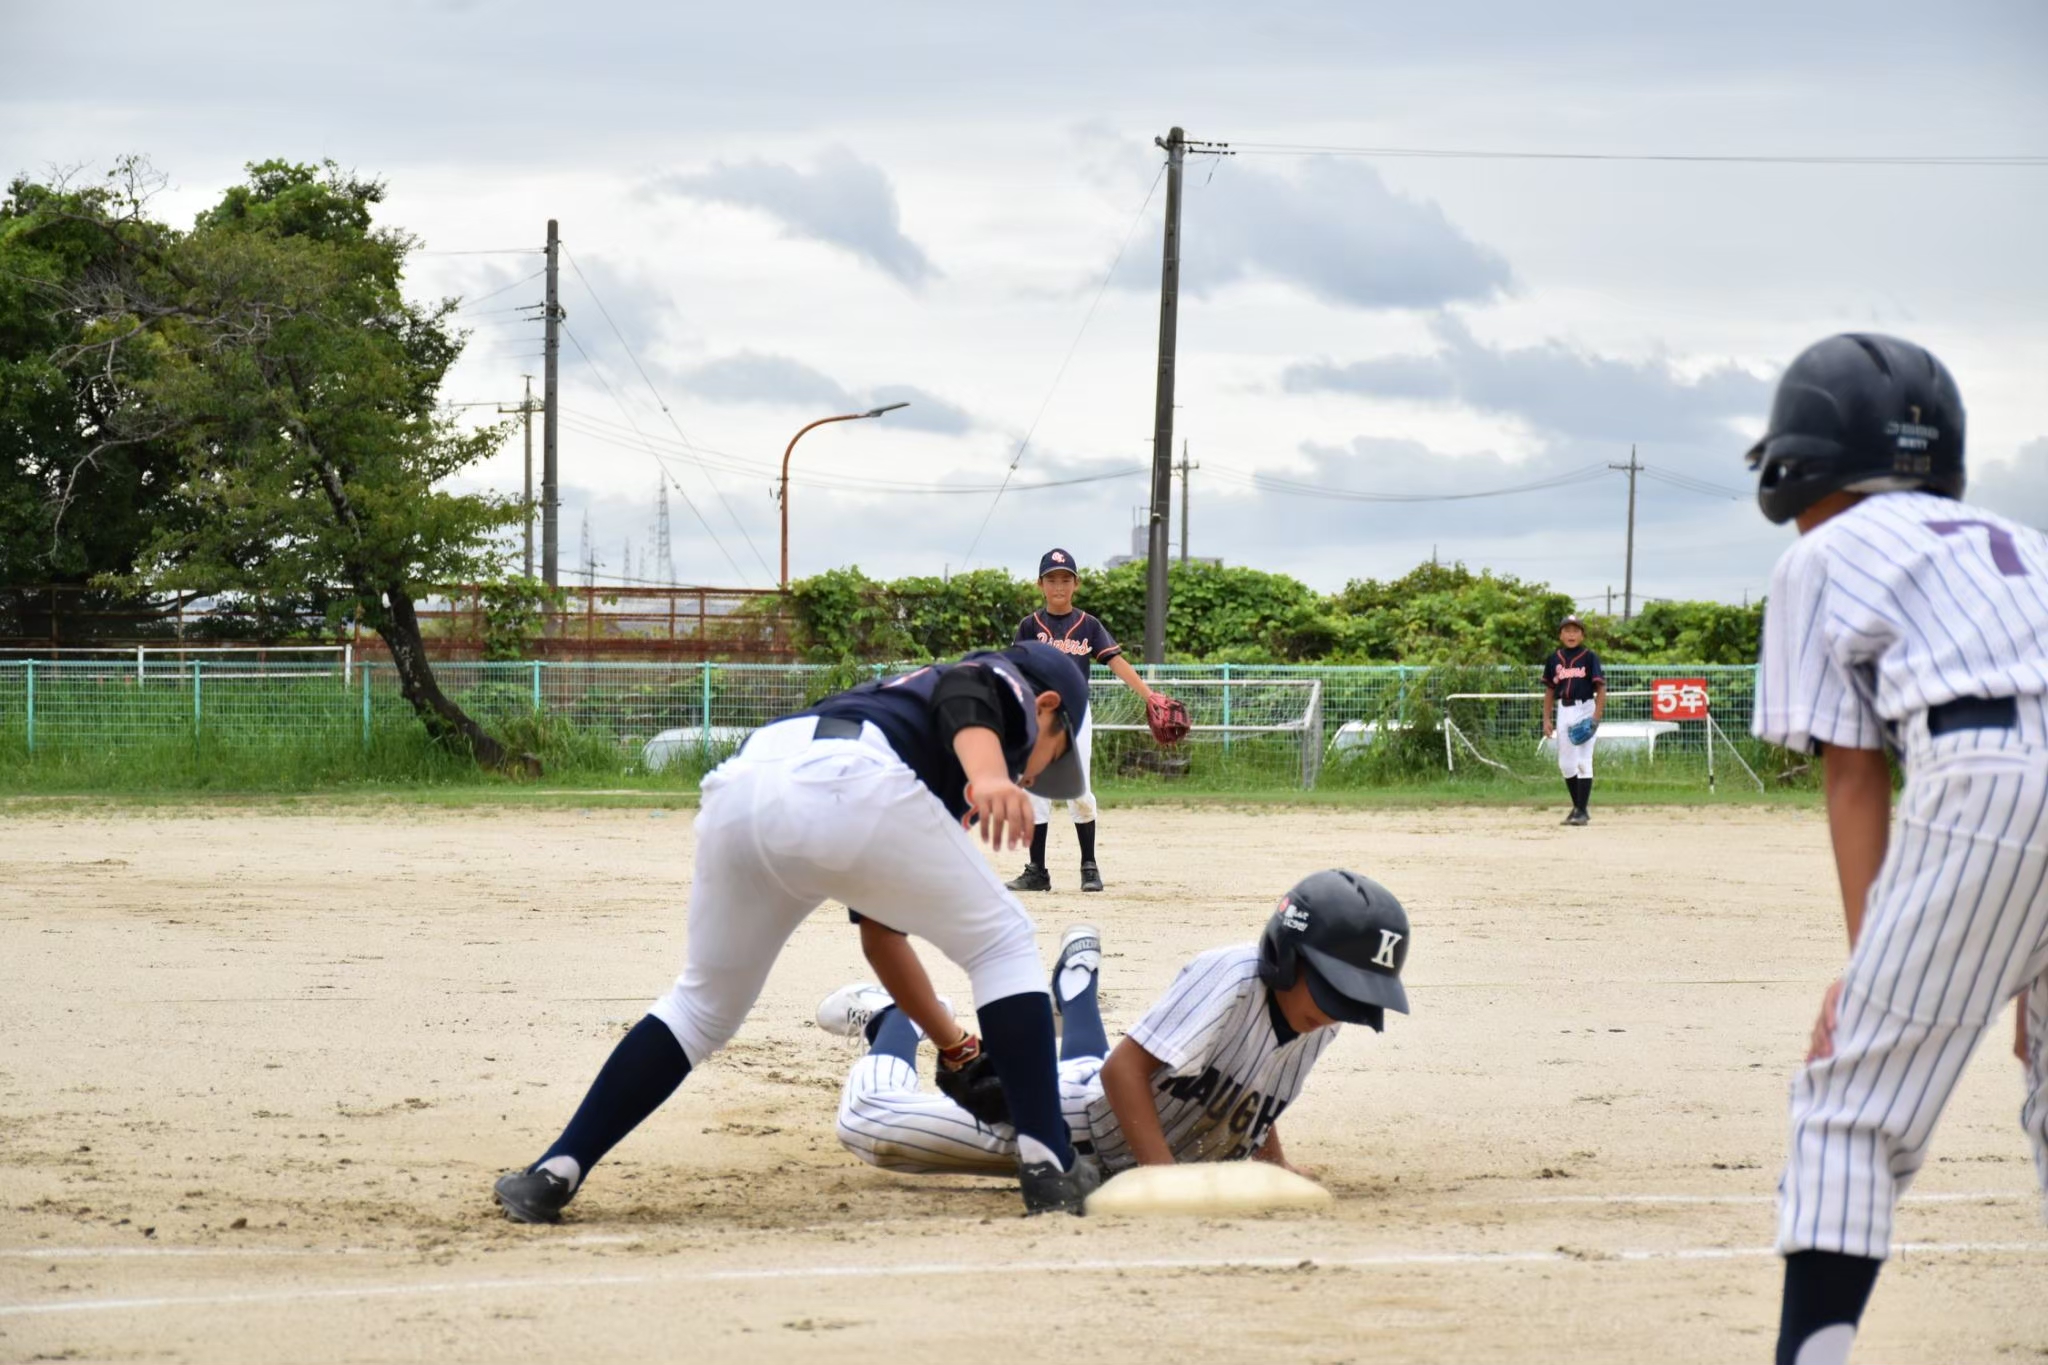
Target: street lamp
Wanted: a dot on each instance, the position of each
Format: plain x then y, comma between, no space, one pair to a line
784,495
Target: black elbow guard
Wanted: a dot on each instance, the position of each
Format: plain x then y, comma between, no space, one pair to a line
967,699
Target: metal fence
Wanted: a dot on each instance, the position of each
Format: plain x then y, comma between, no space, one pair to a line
78,710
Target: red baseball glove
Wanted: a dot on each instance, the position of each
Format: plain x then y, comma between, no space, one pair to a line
1167,717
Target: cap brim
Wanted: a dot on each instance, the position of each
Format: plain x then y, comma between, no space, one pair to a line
1064,779
1343,1008
1356,983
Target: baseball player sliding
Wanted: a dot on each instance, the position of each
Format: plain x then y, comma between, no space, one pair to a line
1086,640
865,799
1574,704
1905,621
1204,1076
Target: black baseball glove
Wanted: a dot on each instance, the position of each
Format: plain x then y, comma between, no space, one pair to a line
974,1086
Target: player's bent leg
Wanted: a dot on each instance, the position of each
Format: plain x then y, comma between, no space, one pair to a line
886,1120
2034,1113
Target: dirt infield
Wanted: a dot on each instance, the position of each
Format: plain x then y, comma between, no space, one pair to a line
259,1070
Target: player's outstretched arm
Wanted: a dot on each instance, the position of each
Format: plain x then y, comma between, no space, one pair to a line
902,974
1127,1083
1128,676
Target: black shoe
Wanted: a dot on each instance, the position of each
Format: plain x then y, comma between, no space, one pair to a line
1091,877
1048,1189
1033,878
1577,817
533,1196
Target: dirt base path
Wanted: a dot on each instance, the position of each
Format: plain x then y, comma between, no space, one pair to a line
259,1071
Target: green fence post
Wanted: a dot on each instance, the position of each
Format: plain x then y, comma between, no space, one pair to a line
197,668
536,687
366,706
31,707
704,712
1226,708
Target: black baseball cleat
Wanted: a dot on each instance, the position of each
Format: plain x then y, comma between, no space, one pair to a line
1577,817
533,1196
1034,877
1048,1189
1091,877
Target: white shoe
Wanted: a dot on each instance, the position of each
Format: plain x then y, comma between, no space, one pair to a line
846,1011
1080,957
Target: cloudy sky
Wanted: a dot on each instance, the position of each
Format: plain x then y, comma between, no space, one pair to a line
776,213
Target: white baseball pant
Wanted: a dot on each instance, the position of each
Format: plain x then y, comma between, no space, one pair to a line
1957,924
791,821
1082,807
1574,760
886,1120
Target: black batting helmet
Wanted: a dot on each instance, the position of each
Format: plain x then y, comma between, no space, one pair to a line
1861,413
1351,935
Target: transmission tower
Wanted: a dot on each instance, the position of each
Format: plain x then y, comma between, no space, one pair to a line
664,562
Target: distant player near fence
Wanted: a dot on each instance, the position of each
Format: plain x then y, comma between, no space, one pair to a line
1085,640
1574,704
1902,621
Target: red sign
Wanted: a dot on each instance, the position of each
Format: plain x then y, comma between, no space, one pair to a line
1679,699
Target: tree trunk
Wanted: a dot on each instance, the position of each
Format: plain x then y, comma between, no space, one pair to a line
445,721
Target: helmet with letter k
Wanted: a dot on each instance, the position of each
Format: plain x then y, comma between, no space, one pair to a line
1351,937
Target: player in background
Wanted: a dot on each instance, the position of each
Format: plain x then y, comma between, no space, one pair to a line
1086,640
1574,704
865,799
1204,1076
1901,621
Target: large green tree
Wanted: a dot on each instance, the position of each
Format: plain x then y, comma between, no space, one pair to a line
79,487
272,350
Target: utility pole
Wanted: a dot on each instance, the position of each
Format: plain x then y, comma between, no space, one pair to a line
1185,468
1175,143
526,409
550,481
1628,569
664,558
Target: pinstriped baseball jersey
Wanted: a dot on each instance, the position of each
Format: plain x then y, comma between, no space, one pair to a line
1900,603
1225,1073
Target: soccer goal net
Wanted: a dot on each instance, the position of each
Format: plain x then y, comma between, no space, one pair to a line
1502,733
1244,732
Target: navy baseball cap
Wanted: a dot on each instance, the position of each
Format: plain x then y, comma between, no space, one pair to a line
1056,561
1048,670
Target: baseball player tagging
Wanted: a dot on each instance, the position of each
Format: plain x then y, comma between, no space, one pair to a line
1204,1076
1902,620
864,799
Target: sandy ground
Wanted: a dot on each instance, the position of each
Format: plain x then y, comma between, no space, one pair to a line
259,1070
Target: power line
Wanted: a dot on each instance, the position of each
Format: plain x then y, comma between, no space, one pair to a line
661,403
1692,485
1682,158
593,429
471,303
490,251
688,501
1065,361
1272,483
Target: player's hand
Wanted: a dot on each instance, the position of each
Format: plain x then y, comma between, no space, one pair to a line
1003,811
1549,730
1822,1045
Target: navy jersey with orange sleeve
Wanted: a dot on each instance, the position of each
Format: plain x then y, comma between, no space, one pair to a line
1076,634
1573,674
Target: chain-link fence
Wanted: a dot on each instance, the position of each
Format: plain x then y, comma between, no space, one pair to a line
1261,725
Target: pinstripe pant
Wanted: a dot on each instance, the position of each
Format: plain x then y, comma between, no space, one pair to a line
886,1119
1957,924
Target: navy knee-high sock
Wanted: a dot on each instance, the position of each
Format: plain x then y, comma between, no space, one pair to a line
1824,1291
1084,832
643,1070
891,1034
1081,1031
1039,834
1017,1031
